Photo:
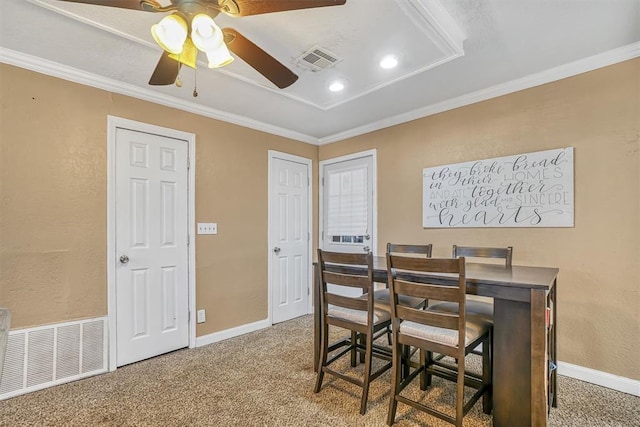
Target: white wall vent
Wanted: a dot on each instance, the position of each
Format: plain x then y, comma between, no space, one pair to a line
48,355
317,59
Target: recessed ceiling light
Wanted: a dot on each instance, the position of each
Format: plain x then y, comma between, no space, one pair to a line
336,86
388,62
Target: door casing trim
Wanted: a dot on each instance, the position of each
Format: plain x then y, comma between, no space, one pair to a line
114,123
303,160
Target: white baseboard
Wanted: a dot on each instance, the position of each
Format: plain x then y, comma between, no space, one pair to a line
233,332
604,379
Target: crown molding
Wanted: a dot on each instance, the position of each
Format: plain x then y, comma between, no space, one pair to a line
54,69
591,63
64,72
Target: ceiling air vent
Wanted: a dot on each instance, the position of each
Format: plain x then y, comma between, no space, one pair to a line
317,59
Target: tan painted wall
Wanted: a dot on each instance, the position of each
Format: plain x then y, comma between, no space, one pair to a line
53,202
598,113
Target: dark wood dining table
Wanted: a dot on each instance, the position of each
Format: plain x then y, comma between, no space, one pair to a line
524,337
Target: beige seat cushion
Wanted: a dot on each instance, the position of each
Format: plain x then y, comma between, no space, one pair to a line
358,316
474,329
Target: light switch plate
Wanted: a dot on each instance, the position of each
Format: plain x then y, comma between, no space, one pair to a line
201,316
207,228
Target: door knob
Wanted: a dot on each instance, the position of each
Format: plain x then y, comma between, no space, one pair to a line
124,259
366,248
276,250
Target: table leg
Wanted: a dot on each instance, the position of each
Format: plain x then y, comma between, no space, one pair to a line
554,349
511,364
539,362
520,362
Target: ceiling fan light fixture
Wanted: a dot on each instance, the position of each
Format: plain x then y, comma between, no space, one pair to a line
208,37
205,33
170,33
219,57
188,56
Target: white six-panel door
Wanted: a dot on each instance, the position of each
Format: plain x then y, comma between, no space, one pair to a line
289,222
151,245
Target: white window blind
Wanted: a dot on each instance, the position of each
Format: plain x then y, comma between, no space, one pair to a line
347,202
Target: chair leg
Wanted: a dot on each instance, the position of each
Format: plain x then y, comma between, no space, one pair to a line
363,343
396,361
354,348
367,373
487,372
460,394
406,355
324,343
426,360
423,366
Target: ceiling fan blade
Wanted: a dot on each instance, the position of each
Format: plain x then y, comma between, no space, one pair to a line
257,7
253,55
166,71
146,5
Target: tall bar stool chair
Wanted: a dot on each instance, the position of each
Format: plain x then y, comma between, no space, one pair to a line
357,314
477,305
423,251
451,334
381,296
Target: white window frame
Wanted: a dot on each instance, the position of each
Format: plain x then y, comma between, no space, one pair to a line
374,177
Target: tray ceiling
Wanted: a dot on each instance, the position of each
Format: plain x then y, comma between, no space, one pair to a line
450,53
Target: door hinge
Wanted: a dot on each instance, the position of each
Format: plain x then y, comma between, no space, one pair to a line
308,236
188,239
308,181
188,163
308,291
188,316
323,181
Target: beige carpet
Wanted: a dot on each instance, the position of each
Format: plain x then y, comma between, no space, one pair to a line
265,379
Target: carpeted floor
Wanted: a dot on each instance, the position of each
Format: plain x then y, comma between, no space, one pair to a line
265,379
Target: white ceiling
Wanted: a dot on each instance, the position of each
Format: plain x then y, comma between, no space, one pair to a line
452,53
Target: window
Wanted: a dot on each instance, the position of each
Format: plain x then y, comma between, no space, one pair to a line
347,202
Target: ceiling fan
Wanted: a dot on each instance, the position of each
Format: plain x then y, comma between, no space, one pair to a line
190,28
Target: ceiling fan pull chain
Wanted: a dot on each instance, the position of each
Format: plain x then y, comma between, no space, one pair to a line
195,82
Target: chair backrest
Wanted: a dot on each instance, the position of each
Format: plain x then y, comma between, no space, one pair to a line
414,277
395,248
478,252
351,270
